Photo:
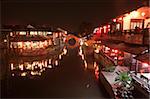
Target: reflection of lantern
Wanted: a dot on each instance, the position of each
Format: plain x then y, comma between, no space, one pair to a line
85,63
46,63
56,62
50,61
12,66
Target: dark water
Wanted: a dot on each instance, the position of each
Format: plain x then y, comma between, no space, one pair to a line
51,76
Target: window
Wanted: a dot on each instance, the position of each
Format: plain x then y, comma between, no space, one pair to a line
33,33
136,22
22,33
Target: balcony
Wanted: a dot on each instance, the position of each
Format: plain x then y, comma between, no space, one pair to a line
140,37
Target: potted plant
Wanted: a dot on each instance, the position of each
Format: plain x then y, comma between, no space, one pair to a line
124,85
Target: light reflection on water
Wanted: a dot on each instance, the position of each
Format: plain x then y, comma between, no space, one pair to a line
35,66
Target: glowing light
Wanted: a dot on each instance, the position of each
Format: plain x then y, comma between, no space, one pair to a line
21,66
23,74
134,14
5,40
49,66
116,51
126,15
95,64
114,20
50,61
49,32
45,63
143,14
108,26
81,42
120,19
80,48
22,33
107,48
56,34
60,57
80,53
65,32
96,51
97,69
115,58
56,62
33,32
145,65
86,44
45,43
104,29
85,63
28,66
40,73
11,34
65,51
82,57
12,66
113,50
20,45
33,73
13,74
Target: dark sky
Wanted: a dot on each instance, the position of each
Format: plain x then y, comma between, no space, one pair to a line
67,14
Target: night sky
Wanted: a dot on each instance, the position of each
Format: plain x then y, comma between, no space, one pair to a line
66,14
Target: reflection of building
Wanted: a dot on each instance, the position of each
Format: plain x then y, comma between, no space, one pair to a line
35,66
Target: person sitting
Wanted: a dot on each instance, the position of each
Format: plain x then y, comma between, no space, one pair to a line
137,29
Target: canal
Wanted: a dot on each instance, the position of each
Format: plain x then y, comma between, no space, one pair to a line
53,76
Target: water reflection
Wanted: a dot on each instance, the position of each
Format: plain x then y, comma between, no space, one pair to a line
35,66
81,53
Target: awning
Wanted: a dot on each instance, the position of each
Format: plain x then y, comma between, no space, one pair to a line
144,58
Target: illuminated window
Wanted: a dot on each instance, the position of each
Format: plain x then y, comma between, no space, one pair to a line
56,35
20,45
104,29
22,33
49,32
33,32
11,34
136,22
27,45
44,33
118,27
40,33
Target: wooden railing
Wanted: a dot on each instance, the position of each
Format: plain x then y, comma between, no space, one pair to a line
131,36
